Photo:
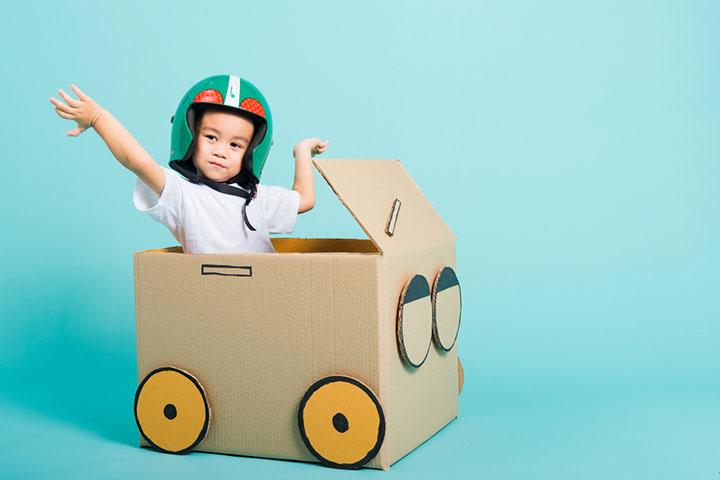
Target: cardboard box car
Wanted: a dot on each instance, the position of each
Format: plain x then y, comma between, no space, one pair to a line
338,351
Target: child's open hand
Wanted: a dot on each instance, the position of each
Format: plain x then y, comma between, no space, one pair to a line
311,146
85,111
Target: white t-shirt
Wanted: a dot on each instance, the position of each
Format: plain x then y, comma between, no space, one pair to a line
204,220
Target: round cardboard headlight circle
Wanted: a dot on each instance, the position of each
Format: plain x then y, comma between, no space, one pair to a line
446,309
414,321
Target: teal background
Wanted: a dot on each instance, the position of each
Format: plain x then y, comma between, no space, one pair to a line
573,148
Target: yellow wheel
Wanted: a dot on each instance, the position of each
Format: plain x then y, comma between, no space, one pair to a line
341,422
171,410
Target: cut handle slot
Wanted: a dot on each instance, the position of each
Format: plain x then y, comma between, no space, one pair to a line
226,270
392,221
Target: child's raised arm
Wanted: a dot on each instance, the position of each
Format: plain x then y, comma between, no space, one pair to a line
304,181
128,151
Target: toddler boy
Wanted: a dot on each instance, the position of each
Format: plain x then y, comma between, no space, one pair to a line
211,199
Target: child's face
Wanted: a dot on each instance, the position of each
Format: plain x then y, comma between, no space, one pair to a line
222,139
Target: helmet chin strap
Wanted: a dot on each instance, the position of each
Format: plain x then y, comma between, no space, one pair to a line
196,177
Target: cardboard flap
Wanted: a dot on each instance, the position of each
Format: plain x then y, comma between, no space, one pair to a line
385,202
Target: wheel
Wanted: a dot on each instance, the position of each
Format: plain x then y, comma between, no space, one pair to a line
414,322
341,422
446,309
171,410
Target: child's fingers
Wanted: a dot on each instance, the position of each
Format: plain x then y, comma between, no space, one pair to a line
75,132
68,99
78,92
55,101
317,150
64,115
59,105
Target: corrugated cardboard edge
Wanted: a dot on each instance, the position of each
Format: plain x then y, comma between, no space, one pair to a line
136,275
383,458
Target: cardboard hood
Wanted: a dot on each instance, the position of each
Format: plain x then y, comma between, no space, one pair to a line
386,203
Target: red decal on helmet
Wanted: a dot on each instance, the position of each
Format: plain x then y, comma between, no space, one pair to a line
253,106
208,96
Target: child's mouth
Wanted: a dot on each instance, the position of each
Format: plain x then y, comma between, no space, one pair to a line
214,164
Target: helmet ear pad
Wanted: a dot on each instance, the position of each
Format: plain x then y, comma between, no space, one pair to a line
246,178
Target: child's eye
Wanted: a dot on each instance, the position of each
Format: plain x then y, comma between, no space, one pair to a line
235,145
210,137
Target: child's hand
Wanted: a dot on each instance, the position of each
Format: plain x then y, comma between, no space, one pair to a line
85,111
312,146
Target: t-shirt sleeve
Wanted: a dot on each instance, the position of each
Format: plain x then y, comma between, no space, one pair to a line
280,207
164,208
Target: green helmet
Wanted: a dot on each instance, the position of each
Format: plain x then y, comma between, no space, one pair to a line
227,92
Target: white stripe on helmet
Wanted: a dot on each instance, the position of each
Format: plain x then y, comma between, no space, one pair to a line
232,96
